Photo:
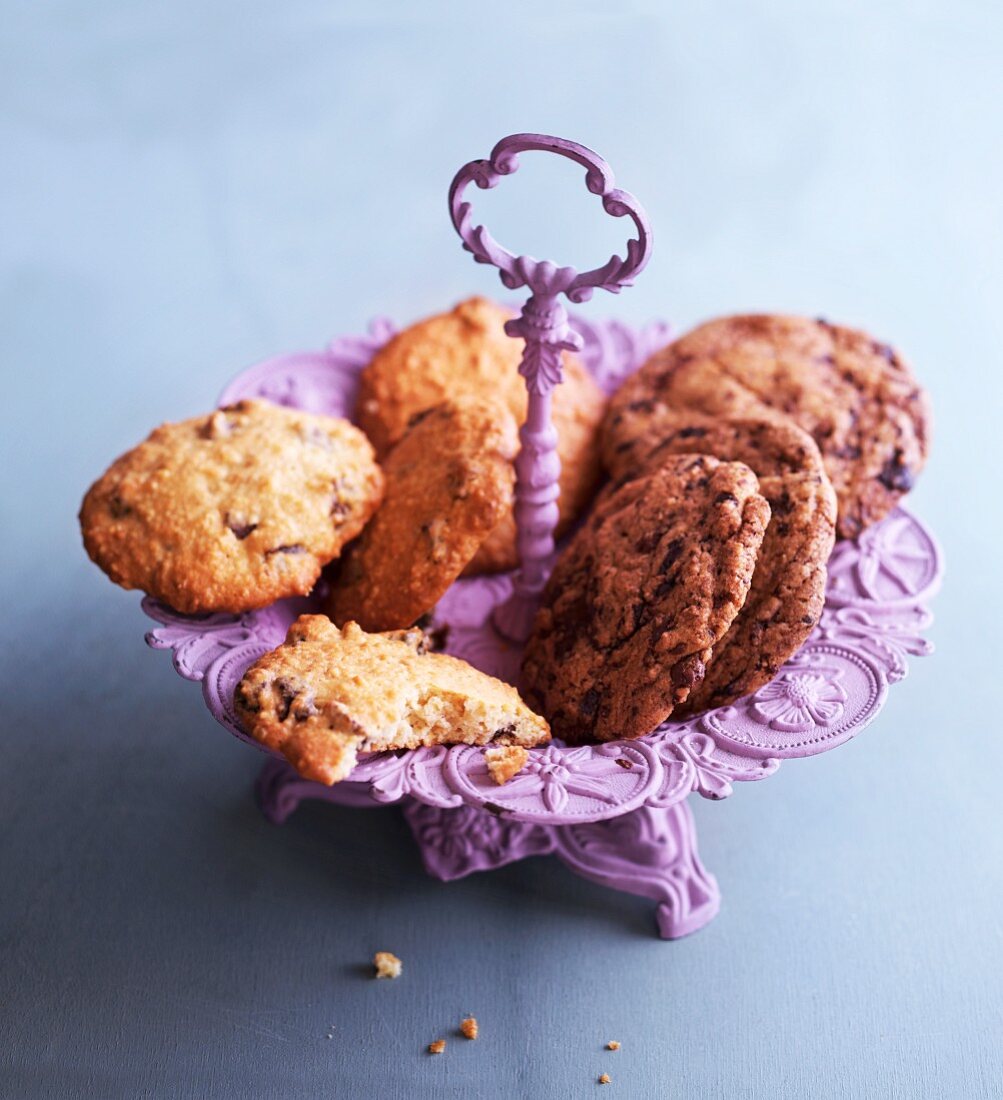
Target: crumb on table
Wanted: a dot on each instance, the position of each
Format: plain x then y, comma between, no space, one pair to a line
613,1045
468,1027
504,761
387,965
437,1047
603,1078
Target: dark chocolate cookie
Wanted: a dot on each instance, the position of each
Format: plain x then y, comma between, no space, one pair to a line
788,587
643,592
855,396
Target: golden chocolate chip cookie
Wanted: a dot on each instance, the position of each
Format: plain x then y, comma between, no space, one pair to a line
466,352
448,484
231,511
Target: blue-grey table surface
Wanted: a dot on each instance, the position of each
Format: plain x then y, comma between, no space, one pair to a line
188,188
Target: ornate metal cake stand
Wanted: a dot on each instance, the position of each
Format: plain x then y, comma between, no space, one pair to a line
614,813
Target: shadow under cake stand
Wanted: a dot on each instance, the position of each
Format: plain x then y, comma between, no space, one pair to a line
614,813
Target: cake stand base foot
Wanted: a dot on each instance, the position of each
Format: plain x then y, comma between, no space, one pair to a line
651,852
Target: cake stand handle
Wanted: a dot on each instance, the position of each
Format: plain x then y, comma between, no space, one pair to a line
543,325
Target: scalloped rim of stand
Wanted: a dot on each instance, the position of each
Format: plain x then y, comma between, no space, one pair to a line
827,693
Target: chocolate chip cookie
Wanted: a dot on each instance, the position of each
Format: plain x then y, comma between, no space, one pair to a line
855,396
788,586
327,694
641,595
449,482
231,511
466,352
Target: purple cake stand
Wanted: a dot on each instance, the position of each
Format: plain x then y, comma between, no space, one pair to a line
614,813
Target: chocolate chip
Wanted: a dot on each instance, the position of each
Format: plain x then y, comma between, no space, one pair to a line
437,637
671,556
505,730
648,542
118,508
338,505
418,417
665,586
240,530
726,498
244,701
691,433
287,696
624,762
293,548
590,703
641,613
688,672
895,475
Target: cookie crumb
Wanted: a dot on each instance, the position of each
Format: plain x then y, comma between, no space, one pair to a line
612,1045
437,1047
387,965
504,761
604,1079
468,1028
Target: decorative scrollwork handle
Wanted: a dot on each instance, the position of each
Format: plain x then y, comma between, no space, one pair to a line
543,325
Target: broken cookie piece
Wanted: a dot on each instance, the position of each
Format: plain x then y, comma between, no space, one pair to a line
387,965
504,761
327,694
437,1046
468,1028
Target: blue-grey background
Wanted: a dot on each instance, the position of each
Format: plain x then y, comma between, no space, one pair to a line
186,188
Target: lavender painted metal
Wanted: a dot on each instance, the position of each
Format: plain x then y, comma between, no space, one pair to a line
614,813
543,325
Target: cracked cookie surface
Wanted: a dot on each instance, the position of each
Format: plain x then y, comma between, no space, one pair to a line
466,353
787,592
855,396
449,482
640,596
327,694
233,510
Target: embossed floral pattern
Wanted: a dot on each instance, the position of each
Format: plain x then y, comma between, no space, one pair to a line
800,700
557,773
